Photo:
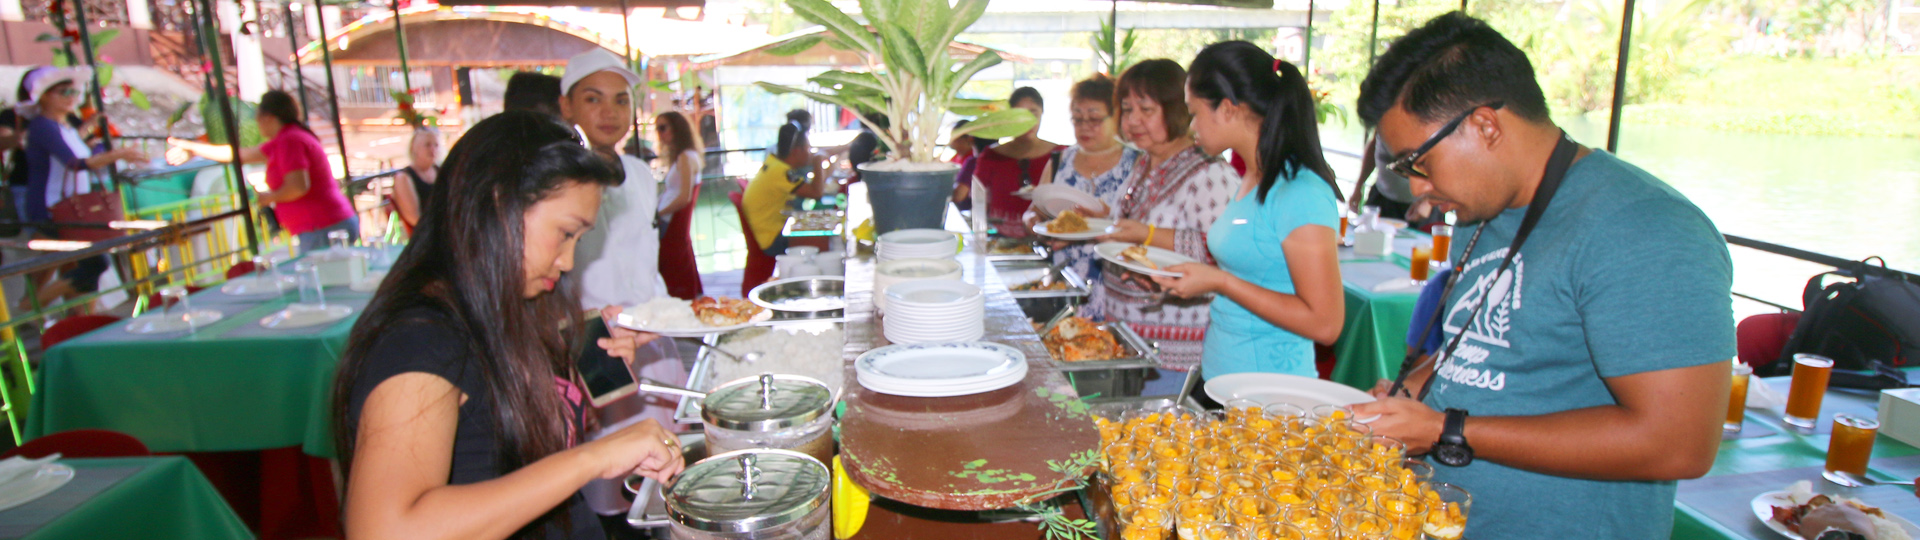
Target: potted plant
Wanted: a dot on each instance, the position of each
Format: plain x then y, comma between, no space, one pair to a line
911,76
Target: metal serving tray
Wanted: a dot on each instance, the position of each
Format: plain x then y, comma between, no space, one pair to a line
1043,304
1137,353
1015,249
700,376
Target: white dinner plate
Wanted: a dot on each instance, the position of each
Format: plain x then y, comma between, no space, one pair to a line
259,284
158,322
944,293
1763,510
35,481
1111,252
1096,227
640,322
950,363
884,386
1052,199
305,315
911,339
1271,388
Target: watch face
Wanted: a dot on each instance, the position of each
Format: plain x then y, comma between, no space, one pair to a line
1452,456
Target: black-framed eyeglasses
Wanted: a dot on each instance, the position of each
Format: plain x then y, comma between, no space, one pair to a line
1406,165
1084,121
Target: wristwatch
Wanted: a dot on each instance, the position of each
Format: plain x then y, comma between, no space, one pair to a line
1452,449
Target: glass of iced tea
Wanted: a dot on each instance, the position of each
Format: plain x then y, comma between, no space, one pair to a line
1850,446
1422,257
1809,387
1442,241
1737,399
1345,218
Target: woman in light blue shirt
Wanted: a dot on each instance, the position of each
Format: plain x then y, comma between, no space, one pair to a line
1278,287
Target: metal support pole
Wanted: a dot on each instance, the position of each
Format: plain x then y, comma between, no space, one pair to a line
86,48
1620,79
400,40
1306,45
210,29
1373,35
333,99
293,44
626,44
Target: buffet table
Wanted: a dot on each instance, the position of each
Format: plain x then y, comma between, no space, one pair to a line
978,452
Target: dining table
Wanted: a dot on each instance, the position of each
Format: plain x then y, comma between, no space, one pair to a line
127,497
1380,297
1766,456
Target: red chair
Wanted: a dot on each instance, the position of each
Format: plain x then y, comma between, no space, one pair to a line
241,269
1761,337
82,443
72,327
759,264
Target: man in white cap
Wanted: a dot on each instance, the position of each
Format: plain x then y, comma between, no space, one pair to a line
618,258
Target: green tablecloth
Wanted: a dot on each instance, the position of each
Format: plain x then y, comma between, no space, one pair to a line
167,498
1374,340
231,386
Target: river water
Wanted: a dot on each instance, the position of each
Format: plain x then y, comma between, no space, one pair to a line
1850,197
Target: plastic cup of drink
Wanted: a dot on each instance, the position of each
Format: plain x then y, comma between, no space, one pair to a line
1809,388
1442,241
1737,399
1851,444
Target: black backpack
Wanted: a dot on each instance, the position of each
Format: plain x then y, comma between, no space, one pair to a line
1874,317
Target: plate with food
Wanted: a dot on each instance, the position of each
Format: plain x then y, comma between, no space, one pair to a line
706,315
1271,388
1054,199
1147,260
1072,226
1798,508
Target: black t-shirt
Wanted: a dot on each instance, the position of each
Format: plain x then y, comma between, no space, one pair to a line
428,341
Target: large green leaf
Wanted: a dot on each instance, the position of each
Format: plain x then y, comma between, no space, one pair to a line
139,99
963,15
101,37
849,83
973,67
796,45
975,107
926,21
998,125
844,27
878,12
903,54
104,74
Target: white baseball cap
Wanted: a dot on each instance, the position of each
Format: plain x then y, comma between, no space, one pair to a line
39,80
595,61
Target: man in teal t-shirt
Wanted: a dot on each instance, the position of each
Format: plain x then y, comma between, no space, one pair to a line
1591,374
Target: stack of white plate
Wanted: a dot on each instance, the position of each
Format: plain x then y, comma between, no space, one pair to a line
934,311
903,270
940,370
918,244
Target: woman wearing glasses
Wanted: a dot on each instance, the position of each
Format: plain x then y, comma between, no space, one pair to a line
1006,169
1173,195
59,165
1097,163
1278,287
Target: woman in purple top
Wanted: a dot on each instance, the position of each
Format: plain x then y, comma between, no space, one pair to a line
59,165
300,185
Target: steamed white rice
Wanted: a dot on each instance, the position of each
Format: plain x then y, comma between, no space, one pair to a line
799,352
668,313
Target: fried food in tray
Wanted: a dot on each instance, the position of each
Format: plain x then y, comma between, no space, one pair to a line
1041,285
718,311
1077,339
1069,221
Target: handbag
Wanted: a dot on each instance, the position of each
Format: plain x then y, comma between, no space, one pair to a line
1874,318
99,206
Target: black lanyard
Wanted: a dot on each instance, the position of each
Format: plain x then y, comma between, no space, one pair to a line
1563,153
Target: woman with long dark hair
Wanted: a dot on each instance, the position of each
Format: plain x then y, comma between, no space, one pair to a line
300,185
458,412
1278,284
680,148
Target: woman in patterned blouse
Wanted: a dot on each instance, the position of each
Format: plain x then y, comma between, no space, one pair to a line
1098,163
1173,196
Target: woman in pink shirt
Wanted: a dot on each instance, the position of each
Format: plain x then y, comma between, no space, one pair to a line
300,185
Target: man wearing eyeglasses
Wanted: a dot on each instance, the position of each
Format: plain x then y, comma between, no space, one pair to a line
1583,372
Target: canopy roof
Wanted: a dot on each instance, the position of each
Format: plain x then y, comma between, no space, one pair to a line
477,36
